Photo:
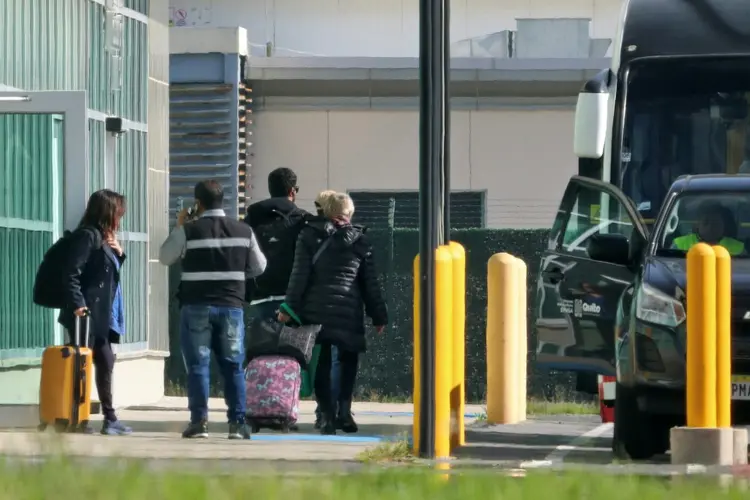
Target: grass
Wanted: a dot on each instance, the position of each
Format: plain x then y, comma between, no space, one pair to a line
64,480
542,407
388,452
538,407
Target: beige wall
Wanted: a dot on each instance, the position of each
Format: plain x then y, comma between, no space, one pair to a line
379,27
523,159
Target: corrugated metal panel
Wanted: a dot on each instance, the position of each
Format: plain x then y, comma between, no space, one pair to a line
134,286
97,136
130,179
30,162
44,44
137,5
201,142
131,101
98,60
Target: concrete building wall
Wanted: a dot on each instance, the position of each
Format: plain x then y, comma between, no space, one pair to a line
522,158
377,28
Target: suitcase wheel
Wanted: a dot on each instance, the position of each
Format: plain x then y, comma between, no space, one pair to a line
61,426
254,428
41,427
285,428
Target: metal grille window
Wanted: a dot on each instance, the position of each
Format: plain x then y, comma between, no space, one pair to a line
401,209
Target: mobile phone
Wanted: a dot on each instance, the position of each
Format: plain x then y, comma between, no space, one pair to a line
192,210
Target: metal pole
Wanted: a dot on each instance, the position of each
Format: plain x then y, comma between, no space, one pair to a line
432,75
446,72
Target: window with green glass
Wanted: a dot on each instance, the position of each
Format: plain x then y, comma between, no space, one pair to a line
31,163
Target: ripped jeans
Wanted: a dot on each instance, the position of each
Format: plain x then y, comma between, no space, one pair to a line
222,330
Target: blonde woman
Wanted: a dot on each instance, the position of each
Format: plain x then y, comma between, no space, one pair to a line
336,290
321,199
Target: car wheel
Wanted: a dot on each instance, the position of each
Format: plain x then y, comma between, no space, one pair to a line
637,434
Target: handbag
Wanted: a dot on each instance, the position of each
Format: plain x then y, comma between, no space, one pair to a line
273,338
270,337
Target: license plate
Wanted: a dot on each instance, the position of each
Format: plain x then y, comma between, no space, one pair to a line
741,387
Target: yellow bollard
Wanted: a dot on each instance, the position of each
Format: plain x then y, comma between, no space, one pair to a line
723,337
523,338
458,392
443,349
417,391
701,336
502,339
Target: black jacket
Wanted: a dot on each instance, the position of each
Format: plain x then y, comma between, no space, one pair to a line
262,212
91,279
341,286
275,278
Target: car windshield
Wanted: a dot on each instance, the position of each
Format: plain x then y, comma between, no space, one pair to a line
687,116
714,218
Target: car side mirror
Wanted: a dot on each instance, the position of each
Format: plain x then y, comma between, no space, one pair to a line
612,248
591,118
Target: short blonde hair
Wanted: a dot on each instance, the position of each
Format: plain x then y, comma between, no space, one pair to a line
338,205
322,196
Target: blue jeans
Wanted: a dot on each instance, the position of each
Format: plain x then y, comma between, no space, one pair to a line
222,330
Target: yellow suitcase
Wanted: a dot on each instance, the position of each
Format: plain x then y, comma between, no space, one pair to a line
65,388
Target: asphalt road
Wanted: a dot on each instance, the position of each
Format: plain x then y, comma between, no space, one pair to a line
565,443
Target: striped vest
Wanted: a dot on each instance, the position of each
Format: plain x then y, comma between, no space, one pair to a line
216,261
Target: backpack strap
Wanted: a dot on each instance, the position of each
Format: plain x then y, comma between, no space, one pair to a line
321,249
282,214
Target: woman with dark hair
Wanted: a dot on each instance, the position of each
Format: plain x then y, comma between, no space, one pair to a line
92,282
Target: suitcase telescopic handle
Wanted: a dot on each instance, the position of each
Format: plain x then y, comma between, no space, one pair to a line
84,382
79,322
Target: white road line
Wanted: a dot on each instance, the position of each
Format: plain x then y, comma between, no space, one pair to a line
559,453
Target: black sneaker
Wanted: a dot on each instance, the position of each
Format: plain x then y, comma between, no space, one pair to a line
239,431
196,430
346,423
328,425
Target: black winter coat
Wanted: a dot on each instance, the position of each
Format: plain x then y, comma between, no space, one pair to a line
91,279
341,286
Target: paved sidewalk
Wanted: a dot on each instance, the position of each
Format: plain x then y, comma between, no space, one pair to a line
157,431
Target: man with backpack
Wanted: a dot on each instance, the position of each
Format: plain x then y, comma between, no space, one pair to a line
276,223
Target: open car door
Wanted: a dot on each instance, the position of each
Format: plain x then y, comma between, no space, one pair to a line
577,296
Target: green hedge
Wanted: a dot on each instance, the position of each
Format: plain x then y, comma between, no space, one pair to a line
386,369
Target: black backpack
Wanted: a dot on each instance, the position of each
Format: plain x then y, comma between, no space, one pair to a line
50,276
277,240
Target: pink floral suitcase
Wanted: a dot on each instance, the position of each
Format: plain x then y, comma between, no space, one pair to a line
273,385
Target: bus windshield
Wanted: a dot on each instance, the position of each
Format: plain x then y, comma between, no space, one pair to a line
683,116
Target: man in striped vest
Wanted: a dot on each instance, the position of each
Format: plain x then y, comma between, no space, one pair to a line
219,255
